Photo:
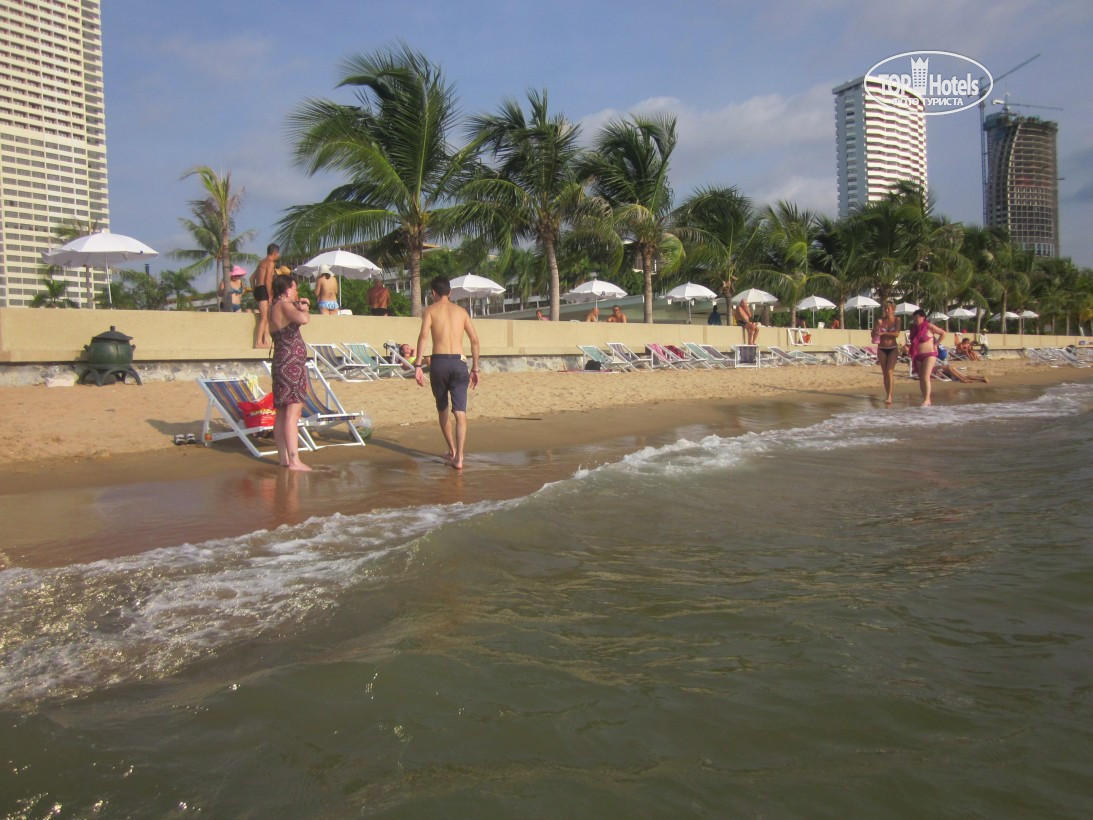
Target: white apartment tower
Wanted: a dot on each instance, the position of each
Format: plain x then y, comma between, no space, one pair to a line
880,136
52,137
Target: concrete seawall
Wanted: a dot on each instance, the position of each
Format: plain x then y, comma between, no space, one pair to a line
36,344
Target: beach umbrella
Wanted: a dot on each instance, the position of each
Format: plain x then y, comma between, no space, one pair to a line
593,290
689,293
962,313
815,303
471,286
99,250
343,264
1009,315
1028,314
754,296
938,316
861,302
906,308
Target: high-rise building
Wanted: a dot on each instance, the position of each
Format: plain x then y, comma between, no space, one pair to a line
1022,187
52,137
880,137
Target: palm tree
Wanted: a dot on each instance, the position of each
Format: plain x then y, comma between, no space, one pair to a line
841,256
725,237
628,167
213,226
55,294
180,285
534,189
792,249
393,145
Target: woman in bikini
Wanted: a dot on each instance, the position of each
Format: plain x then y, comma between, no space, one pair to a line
885,333
287,313
924,340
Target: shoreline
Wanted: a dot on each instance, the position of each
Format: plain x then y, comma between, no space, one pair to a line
127,500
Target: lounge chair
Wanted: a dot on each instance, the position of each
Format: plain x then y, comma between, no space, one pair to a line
623,353
747,356
322,411
605,360
667,358
703,356
848,354
224,395
796,357
363,354
687,355
337,364
799,336
717,356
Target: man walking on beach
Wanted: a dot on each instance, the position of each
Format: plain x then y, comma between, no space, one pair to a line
444,324
261,281
379,298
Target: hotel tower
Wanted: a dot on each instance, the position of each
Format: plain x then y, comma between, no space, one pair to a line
52,137
880,137
1022,187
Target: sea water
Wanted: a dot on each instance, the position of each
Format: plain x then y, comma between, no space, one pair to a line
843,611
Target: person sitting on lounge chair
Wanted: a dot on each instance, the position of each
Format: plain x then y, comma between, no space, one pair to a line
964,348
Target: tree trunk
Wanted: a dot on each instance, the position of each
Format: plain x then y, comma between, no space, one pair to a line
647,270
90,287
415,279
555,281
225,273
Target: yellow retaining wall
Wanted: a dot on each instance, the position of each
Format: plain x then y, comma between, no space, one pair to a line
42,335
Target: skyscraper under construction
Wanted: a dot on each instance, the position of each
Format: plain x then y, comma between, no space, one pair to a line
1022,186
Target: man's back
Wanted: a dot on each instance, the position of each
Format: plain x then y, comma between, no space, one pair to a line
447,323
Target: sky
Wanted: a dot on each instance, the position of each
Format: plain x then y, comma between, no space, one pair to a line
208,82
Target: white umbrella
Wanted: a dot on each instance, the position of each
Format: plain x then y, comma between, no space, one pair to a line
906,308
1028,314
861,302
1009,315
754,296
342,263
472,286
815,303
689,293
99,250
593,290
963,313
939,316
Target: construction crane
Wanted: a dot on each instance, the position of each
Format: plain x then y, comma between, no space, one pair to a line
1005,103
985,89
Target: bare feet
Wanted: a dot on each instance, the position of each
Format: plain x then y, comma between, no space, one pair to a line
456,465
888,402
927,403
299,467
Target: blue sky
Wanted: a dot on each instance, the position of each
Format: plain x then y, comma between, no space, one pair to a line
212,83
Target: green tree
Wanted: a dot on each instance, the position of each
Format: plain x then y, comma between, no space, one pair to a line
212,228
534,189
629,167
725,238
791,245
55,294
180,285
403,175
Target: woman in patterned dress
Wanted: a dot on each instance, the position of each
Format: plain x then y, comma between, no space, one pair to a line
287,312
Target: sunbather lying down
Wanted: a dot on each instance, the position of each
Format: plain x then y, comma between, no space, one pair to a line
953,373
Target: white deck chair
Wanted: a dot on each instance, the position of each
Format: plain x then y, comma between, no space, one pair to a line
848,354
799,336
605,360
662,355
365,355
336,364
717,356
322,411
623,353
747,356
224,395
796,357
703,356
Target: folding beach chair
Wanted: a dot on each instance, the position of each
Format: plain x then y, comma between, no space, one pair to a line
848,354
796,357
701,355
717,356
605,360
364,355
625,354
322,411
747,356
338,365
667,358
799,336
224,395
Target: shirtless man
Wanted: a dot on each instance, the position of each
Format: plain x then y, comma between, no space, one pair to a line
444,324
326,291
751,328
592,315
379,298
618,315
261,281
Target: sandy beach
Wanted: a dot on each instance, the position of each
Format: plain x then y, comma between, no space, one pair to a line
105,456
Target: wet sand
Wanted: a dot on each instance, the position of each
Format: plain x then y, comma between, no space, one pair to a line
97,475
